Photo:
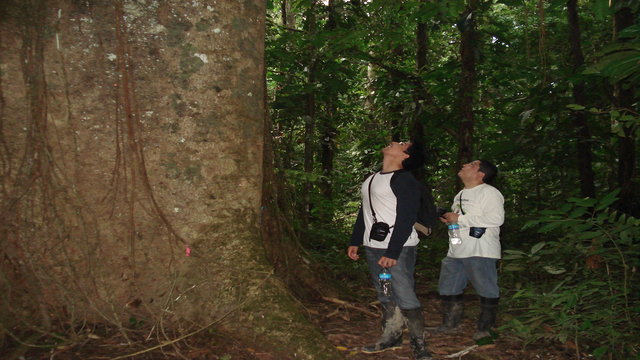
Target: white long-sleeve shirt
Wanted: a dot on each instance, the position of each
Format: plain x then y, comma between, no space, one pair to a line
483,206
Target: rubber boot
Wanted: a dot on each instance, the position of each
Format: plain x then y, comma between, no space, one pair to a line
415,323
487,319
452,312
392,323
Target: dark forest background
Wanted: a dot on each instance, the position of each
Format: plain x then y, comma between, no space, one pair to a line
547,90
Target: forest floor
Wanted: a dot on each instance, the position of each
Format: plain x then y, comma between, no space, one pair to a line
349,329
347,325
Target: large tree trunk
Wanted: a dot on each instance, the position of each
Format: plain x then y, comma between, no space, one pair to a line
132,171
583,135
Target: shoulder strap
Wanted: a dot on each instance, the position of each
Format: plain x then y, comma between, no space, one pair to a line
371,202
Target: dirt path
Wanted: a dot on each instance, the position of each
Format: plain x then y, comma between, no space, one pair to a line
348,329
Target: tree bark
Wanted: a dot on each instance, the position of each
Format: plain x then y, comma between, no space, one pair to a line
624,99
288,17
328,133
580,121
309,119
467,84
419,93
133,178
542,39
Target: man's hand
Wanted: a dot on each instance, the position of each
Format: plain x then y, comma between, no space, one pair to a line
352,252
449,217
386,262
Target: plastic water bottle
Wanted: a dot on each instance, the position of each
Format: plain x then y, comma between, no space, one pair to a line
384,278
454,233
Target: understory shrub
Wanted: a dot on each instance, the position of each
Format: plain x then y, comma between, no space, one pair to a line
580,285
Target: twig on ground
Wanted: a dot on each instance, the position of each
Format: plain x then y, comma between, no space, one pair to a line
461,353
346,304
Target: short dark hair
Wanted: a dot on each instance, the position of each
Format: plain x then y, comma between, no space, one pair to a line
416,156
490,171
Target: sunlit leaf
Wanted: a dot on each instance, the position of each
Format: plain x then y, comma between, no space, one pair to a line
555,270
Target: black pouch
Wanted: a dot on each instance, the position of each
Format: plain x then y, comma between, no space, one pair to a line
477,232
379,231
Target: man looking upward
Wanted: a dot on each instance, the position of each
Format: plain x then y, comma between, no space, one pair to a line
393,195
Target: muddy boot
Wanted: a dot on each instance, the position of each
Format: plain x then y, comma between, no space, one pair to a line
487,319
415,323
392,323
452,311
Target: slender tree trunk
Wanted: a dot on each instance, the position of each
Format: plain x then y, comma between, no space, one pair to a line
467,83
624,98
580,121
328,134
542,39
309,119
419,93
288,17
421,44
327,153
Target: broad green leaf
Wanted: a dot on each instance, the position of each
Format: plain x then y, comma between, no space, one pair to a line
550,226
609,199
576,107
513,267
632,31
578,212
601,9
587,202
516,252
537,247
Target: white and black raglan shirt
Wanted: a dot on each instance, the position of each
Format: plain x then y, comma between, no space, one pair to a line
395,197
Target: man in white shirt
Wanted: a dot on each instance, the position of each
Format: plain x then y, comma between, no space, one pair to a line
478,209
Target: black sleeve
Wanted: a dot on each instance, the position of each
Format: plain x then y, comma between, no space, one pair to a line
407,193
358,230
427,213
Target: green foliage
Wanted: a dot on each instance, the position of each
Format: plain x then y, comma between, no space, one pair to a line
581,281
620,60
352,68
